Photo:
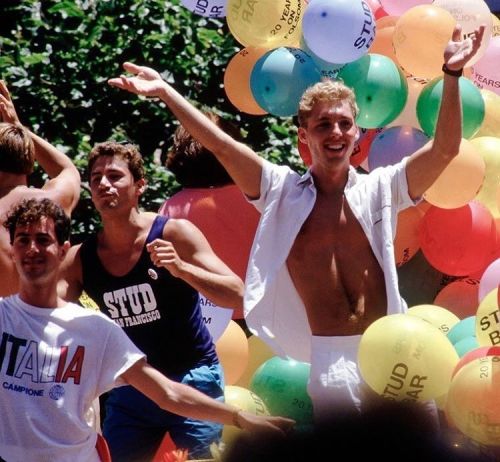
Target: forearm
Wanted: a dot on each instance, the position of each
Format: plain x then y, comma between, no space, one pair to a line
448,133
223,290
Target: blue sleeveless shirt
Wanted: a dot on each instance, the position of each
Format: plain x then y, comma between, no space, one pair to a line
159,312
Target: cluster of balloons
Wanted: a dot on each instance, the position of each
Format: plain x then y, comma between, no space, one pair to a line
390,52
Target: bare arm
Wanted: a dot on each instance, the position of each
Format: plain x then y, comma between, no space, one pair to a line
426,164
242,163
70,285
186,253
64,184
187,401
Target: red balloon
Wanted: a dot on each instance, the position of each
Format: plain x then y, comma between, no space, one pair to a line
458,241
362,146
480,352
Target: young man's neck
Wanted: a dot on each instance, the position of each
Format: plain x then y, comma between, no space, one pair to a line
9,181
42,296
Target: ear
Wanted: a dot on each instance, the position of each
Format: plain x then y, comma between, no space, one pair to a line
358,134
302,134
64,249
141,186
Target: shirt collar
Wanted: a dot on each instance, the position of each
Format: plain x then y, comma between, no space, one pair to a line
307,178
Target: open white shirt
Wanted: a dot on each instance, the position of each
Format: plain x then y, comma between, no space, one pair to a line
273,309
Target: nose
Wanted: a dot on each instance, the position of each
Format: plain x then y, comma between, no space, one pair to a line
104,182
32,247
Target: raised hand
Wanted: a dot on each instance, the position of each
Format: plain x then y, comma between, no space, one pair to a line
146,81
7,110
458,52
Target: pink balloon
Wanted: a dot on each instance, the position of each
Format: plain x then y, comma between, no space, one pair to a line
486,72
490,279
398,7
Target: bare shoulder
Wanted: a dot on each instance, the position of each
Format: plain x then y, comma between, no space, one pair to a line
181,230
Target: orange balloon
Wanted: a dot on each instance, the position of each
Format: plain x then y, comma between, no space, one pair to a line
406,242
232,349
460,181
258,353
237,80
382,44
420,36
408,115
460,297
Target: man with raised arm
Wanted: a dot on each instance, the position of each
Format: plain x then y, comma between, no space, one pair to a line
145,271
322,265
19,149
57,358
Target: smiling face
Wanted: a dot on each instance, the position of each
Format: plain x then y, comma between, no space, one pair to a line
330,134
36,252
112,184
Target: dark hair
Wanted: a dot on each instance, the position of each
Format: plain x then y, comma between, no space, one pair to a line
193,165
17,152
33,210
125,150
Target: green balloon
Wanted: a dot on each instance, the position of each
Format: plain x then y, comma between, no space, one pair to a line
465,345
429,101
461,330
380,86
282,385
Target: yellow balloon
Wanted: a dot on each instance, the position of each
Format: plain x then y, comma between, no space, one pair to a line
420,36
232,350
496,26
258,353
491,121
439,317
460,181
265,23
237,80
472,404
488,320
489,149
246,400
403,357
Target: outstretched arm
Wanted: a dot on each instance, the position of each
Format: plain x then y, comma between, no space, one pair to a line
425,165
64,184
186,253
187,401
241,162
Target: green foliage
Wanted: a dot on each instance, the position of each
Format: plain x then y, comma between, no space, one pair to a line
56,57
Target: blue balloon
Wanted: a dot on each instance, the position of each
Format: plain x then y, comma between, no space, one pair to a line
280,77
493,5
394,143
463,329
465,345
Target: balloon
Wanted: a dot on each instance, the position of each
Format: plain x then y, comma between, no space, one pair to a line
423,24
403,357
489,149
376,8
398,7
280,77
470,14
243,399
495,31
362,146
392,144
208,8
232,350
406,242
87,301
472,404
382,44
463,329
479,352
237,80
258,353
458,241
460,181
380,87
491,121
265,23
439,317
488,320
463,346
489,280
429,101
216,318
348,24
409,114
459,297
282,385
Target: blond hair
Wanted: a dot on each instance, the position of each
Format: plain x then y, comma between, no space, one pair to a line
327,90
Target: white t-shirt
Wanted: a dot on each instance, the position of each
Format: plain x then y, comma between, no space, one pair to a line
53,364
273,309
